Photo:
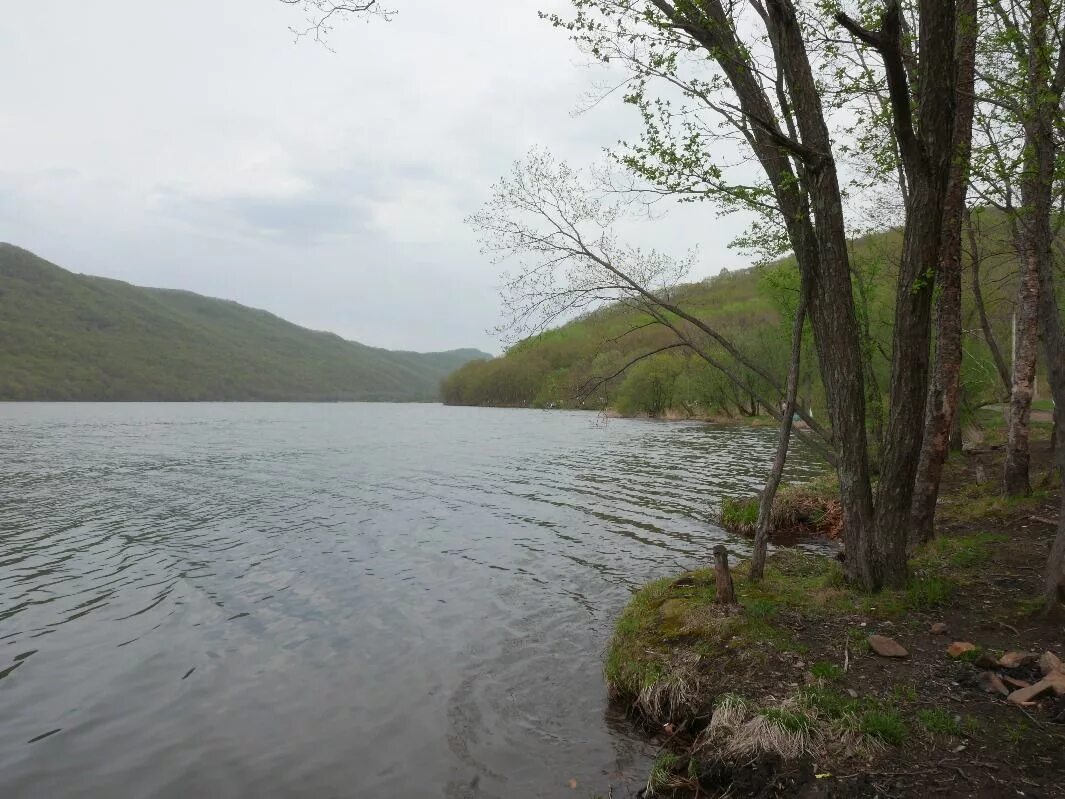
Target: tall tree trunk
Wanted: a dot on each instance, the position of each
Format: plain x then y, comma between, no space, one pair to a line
981,309
927,151
776,471
942,402
821,249
1046,84
811,209
1015,478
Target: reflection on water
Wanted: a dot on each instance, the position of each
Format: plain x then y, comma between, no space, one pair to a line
333,600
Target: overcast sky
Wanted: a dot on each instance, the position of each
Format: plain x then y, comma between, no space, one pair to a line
192,144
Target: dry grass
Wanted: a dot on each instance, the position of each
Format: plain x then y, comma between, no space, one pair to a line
809,510
677,694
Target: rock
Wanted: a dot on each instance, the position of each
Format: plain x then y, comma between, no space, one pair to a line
1015,682
1049,663
991,683
939,628
1014,660
1055,682
887,647
985,661
852,693
959,648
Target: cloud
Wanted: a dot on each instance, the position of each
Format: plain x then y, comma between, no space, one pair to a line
193,145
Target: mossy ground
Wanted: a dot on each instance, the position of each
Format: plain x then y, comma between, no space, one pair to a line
795,657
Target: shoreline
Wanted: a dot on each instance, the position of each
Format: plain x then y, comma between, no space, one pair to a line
760,421
784,693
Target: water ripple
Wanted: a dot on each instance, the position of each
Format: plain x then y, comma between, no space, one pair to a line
232,600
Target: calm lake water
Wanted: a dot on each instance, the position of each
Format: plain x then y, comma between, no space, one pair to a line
334,600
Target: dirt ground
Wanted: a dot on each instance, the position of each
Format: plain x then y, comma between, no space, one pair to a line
961,740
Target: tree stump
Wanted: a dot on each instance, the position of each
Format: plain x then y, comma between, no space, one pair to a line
726,593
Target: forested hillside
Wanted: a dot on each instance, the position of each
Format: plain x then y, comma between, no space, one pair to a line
589,362
65,336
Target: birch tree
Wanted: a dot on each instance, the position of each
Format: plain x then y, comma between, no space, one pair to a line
1037,27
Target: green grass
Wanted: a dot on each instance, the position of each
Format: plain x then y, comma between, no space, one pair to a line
662,771
971,656
884,725
979,502
829,672
865,716
762,609
789,719
939,722
739,515
630,662
668,616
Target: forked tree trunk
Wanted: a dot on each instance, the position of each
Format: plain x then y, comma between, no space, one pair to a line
942,403
926,149
776,471
1015,477
820,245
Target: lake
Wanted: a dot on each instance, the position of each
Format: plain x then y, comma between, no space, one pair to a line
343,600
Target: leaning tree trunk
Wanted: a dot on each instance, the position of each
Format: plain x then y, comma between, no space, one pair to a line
1015,477
942,403
810,203
821,249
765,506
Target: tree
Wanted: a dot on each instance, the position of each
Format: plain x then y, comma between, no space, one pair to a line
546,213
765,89
976,256
1005,150
942,402
776,471
1043,78
323,15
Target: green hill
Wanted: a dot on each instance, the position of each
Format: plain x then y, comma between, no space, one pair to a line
65,336
567,366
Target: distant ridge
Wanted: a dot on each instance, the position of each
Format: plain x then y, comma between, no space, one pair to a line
65,336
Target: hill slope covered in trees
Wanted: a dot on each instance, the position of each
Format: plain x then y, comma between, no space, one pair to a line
596,361
65,336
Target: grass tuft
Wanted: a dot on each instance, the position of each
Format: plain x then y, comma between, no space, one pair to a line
829,672
939,722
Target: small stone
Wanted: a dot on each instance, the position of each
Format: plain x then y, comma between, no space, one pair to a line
939,628
991,683
887,647
985,661
1014,660
852,693
959,648
1050,663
